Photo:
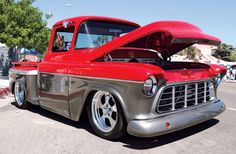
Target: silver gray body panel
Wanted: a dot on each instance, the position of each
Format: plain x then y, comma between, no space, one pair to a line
177,121
67,96
53,93
24,72
81,87
30,78
32,89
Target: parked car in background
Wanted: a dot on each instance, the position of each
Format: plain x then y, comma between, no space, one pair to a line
122,76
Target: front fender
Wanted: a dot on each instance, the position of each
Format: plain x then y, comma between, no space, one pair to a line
218,69
81,89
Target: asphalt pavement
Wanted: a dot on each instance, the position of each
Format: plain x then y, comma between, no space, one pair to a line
39,131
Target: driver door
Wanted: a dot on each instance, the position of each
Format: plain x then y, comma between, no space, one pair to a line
53,72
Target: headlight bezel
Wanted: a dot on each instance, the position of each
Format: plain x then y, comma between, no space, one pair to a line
212,92
150,86
217,79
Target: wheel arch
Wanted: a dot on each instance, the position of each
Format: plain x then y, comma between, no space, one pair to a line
111,90
12,84
25,104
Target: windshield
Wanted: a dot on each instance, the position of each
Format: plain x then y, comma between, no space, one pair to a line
96,33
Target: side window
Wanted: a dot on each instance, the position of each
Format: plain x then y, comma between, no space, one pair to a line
62,39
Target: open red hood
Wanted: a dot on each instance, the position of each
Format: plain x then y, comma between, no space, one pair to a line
167,37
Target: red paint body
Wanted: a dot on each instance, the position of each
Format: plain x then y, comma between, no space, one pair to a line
176,36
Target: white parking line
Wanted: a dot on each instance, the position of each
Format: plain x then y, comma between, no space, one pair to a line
232,109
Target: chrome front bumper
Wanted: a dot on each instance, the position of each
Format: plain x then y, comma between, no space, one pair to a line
177,121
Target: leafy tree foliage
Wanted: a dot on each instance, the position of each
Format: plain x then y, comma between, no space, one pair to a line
191,53
225,52
100,40
22,25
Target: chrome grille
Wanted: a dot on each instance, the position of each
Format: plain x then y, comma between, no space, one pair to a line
181,96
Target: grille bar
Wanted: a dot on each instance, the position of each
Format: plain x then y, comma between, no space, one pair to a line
204,92
185,96
196,95
173,98
177,97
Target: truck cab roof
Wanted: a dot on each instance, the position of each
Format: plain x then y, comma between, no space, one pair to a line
81,19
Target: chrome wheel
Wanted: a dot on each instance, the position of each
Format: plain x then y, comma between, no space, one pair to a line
19,93
104,111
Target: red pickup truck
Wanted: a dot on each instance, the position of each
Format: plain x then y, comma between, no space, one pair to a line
122,75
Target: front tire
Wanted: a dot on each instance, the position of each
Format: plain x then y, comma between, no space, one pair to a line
106,116
20,94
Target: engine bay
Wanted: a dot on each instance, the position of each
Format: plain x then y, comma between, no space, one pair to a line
148,56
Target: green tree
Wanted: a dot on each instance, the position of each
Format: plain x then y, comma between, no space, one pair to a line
101,40
225,52
22,25
191,53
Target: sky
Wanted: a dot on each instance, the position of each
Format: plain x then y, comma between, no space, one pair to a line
215,17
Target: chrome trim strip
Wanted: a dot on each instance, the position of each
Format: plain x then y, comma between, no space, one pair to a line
23,72
185,96
188,82
173,98
196,93
205,84
98,78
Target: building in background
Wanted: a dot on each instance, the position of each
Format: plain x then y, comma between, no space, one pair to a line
3,55
206,56
9,55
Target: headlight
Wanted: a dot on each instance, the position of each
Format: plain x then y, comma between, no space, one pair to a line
217,79
150,86
211,91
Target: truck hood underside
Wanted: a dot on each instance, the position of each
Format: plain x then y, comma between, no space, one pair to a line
167,37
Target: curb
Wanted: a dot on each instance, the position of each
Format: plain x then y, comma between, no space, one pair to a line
4,92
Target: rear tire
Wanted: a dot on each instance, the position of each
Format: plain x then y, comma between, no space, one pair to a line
20,94
106,116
